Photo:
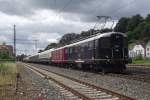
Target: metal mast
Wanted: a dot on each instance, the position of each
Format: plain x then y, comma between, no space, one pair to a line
15,42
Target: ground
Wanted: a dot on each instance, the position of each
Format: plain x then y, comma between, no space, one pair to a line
29,86
20,89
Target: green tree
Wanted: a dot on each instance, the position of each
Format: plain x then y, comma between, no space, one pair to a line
134,22
67,38
122,25
147,19
4,55
50,46
40,51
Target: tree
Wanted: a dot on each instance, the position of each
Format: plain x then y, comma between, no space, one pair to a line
4,55
50,46
138,31
40,51
67,38
147,19
21,57
134,22
122,25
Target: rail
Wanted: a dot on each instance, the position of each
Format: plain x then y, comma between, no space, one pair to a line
83,90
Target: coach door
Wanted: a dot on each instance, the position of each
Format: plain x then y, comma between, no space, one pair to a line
117,46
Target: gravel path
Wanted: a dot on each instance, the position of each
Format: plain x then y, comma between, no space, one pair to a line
136,89
42,87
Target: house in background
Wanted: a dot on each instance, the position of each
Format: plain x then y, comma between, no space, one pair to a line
136,51
7,49
148,50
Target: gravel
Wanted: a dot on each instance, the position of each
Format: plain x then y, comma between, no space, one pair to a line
136,89
44,88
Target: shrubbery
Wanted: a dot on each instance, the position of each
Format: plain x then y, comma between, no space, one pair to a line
5,56
139,57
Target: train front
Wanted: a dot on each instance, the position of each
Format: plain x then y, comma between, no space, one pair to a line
113,49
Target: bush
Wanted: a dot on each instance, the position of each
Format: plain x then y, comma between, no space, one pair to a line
4,55
139,57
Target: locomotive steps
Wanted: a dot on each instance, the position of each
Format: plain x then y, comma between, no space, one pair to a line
76,89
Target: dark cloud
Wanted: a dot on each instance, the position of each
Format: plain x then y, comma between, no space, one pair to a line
16,7
87,10
77,15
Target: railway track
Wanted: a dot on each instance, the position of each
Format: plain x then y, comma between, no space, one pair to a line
132,76
134,72
139,65
77,89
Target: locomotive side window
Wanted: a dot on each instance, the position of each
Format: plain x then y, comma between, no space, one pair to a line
90,45
96,43
105,42
125,42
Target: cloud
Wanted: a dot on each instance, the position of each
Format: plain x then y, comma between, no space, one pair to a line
85,10
47,20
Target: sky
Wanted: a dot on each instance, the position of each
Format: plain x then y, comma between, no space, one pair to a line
47,20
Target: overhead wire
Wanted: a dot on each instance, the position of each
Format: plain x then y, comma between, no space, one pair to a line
116,11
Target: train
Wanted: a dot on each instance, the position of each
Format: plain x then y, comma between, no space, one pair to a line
107,52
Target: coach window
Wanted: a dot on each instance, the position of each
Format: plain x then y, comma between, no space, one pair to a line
76,49
70,50
105,42
66,50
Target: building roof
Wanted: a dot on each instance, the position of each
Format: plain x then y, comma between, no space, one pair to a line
8,47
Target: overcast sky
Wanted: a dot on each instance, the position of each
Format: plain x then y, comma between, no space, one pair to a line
47,20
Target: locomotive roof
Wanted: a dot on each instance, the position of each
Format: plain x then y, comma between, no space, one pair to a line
92,38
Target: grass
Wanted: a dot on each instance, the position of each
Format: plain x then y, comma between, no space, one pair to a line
8,71
144,61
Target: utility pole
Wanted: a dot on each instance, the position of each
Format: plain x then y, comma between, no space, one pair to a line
15,42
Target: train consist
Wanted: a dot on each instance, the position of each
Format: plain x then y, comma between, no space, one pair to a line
106,52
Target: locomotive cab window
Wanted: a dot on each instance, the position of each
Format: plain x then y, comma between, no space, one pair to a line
105,42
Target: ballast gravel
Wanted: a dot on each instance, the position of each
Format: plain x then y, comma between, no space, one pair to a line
135,89
46,91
